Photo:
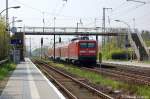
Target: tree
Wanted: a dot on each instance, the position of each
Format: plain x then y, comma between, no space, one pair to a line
3,39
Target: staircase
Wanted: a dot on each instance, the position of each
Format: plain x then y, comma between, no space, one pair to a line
139,46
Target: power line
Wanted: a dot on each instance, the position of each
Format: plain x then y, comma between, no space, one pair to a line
129,10
36,9
61,8
119,6
51,13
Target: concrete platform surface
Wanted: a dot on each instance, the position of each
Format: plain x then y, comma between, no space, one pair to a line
128,63
27,82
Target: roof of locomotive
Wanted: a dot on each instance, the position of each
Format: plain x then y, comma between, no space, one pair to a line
77,40
81,39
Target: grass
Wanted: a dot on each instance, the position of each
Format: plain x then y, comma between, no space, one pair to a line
146,62
5,69
96,78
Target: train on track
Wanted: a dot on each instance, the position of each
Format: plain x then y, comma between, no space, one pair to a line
80,50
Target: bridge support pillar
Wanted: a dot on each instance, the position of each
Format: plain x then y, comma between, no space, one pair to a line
54,47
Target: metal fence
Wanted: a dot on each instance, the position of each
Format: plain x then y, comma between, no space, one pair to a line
3,61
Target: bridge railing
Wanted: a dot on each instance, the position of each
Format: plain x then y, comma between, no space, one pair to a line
71,29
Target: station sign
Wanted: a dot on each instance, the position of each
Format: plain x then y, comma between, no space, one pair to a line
16,41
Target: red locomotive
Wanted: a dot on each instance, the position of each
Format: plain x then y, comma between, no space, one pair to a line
79,50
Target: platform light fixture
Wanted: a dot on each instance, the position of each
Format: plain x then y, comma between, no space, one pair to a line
14,7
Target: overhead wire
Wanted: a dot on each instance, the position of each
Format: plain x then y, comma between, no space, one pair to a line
28,6
124,14
129,11
53,13
61,8
134,9
118,8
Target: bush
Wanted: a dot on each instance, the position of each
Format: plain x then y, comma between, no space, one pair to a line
5,69
120,54
112,51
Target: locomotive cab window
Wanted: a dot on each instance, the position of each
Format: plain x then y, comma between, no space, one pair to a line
83,45
87,45
91,45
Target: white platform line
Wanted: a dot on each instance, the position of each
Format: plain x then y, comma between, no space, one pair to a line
54,88
32,86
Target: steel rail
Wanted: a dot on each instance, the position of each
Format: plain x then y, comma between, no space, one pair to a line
136,80
144,71
127,74
68,93
102,95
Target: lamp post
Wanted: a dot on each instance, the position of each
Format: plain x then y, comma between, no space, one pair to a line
7,8
129,32
15,7
123,22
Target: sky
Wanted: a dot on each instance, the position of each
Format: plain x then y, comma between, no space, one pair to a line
69,12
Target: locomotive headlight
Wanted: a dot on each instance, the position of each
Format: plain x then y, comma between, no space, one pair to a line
92,51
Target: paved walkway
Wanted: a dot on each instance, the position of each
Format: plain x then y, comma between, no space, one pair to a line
129,63
27,82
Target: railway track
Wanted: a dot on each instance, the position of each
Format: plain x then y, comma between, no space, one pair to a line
125,76
127,68
72,87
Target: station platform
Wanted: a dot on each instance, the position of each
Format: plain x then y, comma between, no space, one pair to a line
27,82
128,63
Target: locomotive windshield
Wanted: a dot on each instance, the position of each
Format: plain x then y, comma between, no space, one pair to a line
91,45
87,45
83,45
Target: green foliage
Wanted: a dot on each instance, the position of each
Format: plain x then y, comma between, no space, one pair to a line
5,69
111,50
146,37
115,49
3,39
120,54
147,43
